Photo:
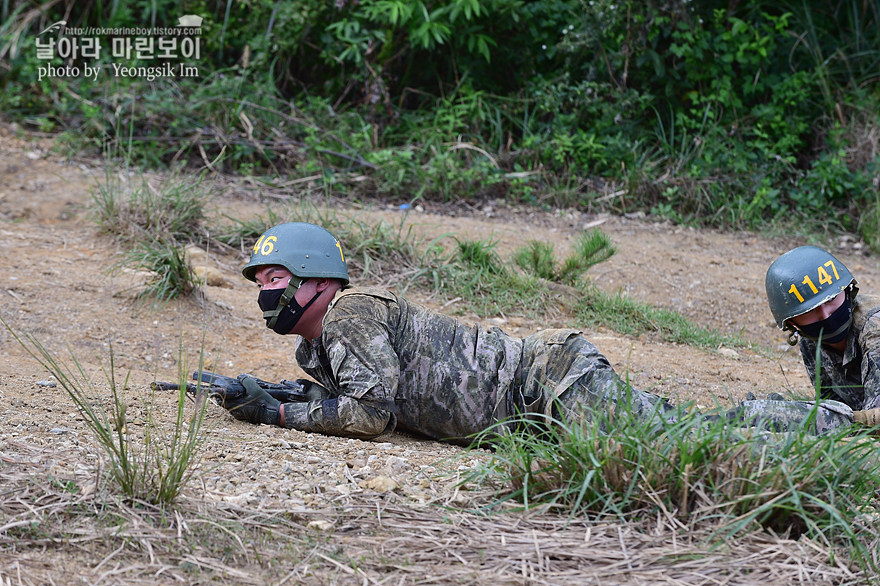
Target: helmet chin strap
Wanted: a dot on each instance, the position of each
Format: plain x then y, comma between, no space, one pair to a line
286,313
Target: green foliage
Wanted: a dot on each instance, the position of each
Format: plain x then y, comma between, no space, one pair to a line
709,113
628,316
869,226
154,466
590,249
615,465
389,45
169,273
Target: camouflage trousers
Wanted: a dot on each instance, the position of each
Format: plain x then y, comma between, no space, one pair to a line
584,400
601,393
782,415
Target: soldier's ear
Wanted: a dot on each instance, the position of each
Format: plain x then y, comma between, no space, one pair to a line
322,284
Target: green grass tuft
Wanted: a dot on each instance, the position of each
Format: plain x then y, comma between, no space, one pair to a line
129,212
153,224
629,316
166,263
538,258
699,473
153,465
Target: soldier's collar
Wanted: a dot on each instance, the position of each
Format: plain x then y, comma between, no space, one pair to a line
341,292
851,351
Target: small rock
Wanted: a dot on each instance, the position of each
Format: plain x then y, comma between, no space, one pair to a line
379,484
47,383
729,353
240,499
211,276
396,464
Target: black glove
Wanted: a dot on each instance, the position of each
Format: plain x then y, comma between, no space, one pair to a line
255,406
313,390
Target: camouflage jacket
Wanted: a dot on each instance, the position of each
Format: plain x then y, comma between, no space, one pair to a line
388,363
854,376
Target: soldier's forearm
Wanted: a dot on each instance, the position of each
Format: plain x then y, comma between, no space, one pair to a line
341,416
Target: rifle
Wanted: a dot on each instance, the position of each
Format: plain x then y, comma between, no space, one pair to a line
220,387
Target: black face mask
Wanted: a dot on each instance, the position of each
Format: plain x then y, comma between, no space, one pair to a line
833,328
280,309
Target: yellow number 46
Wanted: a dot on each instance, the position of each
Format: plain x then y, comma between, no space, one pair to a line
265,245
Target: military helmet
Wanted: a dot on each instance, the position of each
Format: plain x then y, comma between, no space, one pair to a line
802,279
306,250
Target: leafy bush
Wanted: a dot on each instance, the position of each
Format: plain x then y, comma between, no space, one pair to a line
708,113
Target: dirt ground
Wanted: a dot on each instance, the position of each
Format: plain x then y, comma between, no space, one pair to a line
55,285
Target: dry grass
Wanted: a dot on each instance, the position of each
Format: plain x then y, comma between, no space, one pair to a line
52,535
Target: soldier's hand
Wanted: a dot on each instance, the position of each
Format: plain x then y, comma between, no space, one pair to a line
313,390
255,406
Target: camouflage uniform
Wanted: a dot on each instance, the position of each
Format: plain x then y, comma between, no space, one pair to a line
854,376
388,363
847,381
781,415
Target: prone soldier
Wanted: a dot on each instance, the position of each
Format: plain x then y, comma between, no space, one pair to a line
383,362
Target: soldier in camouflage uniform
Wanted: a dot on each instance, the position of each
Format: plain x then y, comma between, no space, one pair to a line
385,363
814,297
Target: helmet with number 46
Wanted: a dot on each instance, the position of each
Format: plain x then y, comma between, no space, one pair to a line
304,249
802,279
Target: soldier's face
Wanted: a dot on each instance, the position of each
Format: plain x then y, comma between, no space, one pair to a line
817,314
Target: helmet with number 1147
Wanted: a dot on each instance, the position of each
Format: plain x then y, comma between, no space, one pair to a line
802,279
